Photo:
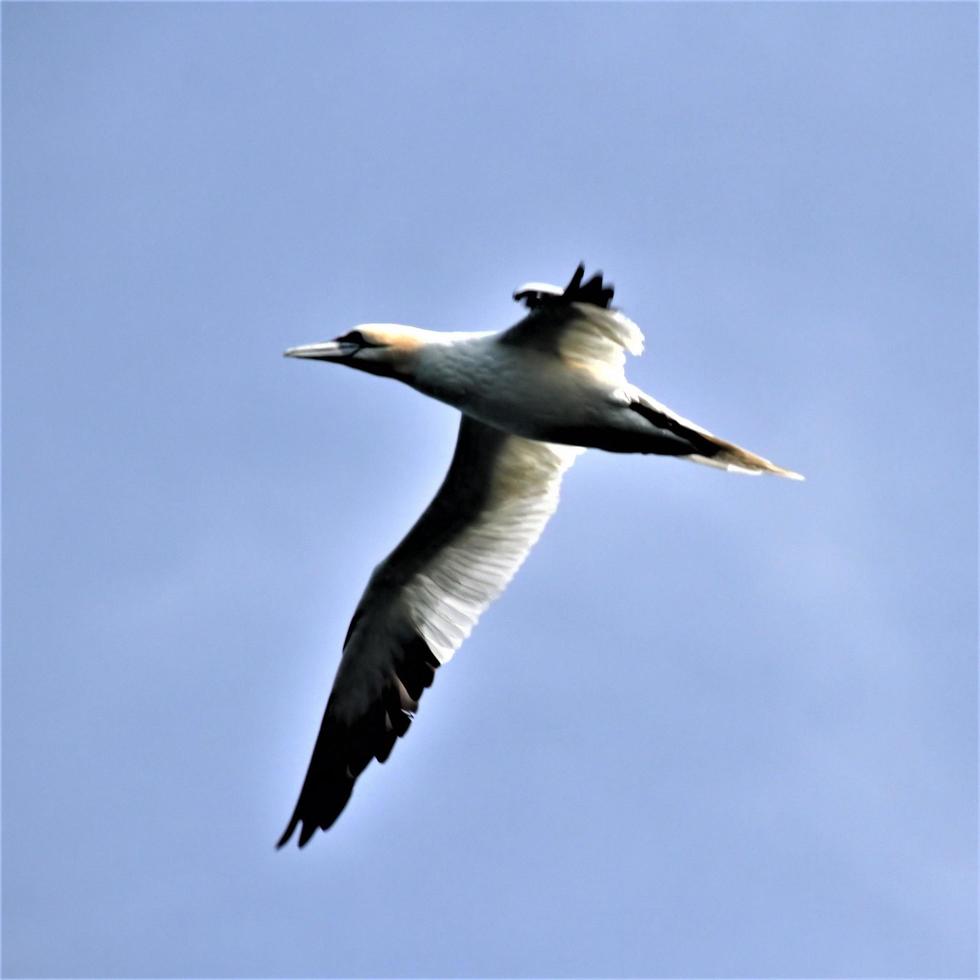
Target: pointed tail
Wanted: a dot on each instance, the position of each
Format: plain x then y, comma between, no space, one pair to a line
706,448
737,460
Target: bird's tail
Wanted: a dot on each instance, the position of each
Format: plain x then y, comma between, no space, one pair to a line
737,460
706,447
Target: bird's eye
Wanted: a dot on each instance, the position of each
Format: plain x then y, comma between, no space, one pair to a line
354,337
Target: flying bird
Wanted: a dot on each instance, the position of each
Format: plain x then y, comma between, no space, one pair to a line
531,399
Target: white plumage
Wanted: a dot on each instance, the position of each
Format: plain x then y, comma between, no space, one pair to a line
531,398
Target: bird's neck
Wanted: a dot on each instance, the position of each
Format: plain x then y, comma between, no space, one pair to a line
449,365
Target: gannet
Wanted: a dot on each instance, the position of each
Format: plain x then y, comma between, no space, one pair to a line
531,399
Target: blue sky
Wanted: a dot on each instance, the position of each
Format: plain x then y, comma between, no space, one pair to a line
717,726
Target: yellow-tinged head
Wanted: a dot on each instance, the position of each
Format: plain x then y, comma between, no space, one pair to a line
388,349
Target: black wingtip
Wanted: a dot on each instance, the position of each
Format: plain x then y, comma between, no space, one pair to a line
294,820
576,279
344,748
595,291
306,831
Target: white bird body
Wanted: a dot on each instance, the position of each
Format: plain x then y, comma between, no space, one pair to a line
531,398
524,391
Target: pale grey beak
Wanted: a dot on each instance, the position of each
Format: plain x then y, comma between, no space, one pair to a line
329,350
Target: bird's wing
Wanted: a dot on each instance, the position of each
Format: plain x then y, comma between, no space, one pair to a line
578,324
424,599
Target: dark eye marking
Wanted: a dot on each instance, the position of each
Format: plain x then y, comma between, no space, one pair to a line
356,337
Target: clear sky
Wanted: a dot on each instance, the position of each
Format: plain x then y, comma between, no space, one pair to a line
717,726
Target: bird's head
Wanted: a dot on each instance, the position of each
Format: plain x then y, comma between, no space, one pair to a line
388,349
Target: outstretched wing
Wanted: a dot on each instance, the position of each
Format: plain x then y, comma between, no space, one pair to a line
423,600
578,324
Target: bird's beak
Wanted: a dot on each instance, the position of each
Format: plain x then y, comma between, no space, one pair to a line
329,350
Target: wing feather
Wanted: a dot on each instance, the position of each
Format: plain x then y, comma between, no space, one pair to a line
423,600
578,325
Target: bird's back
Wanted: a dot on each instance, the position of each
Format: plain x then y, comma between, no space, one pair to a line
523,390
